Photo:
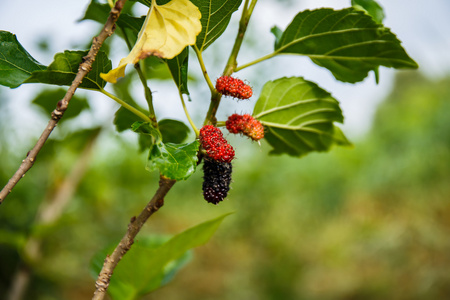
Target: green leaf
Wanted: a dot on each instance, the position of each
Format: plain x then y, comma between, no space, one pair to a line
346,42
174,161
178,67
298,117
153,261
48,99
173,131
371,7
216,15
277,32
16,64
63,69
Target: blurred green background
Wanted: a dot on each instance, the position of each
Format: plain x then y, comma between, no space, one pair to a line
372,222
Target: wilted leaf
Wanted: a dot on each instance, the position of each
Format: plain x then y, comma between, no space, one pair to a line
64,68
347,42
298,117
216,15
16,64
167,30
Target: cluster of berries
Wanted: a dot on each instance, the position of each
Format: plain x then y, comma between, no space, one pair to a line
229,86
246,125
217,164
218,153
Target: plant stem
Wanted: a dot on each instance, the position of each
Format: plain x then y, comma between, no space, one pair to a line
232,60
148,95
127,106
62,105
134,227
265,57
187,114
205,73
147,91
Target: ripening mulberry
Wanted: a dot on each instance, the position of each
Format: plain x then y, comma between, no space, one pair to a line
229,86
216,180
215,145
246,125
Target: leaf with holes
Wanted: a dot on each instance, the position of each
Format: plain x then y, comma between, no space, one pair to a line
16,64
174,161
64,68
347,42
298,117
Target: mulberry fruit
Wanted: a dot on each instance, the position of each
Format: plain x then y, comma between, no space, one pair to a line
215,145
216,180
246,125
229,86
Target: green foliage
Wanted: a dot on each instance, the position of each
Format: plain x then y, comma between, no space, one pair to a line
152,261
16,64
48,99
174,161
298,116
173,131
178,67
215,18
346,42
63,69
371,7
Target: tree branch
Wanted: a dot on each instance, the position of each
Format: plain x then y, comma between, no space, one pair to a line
84,68
135,225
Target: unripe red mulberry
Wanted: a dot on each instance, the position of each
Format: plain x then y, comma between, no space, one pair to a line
215,145
229,86
216,180
246,125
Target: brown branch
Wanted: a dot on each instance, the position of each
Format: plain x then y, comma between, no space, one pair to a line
84,68
134,227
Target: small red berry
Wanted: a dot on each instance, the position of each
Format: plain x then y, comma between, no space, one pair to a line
229,86
215,145
246,125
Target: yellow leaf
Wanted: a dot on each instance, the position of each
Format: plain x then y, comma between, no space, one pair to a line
167,30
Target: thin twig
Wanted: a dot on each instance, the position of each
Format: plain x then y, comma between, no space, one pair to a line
134,227
62,105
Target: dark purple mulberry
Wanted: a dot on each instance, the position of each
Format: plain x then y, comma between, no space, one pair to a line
216,180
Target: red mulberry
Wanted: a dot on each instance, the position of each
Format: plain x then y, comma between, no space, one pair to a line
246,125
215,145
229,86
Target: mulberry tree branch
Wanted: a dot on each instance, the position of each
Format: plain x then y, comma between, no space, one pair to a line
84,68
135,225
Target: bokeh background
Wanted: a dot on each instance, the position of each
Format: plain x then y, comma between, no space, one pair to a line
371,222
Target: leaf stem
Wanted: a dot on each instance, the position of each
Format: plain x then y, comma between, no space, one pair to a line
263,58
148,95
187,114
147,91
205,73
127,106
